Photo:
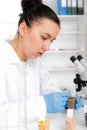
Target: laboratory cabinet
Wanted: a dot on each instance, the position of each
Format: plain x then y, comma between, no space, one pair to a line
71,41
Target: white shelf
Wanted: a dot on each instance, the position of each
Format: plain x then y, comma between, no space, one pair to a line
60,68
71,32
71,17
65,51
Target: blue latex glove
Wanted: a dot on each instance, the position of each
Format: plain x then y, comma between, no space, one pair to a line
56,102
79,102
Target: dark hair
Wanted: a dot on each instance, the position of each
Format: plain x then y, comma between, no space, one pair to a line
34,10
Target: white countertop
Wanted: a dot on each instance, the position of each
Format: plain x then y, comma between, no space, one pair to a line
57,121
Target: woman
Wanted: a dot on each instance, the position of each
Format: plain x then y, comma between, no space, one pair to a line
26,90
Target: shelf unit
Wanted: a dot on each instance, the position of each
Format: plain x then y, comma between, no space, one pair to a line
72,27
70,41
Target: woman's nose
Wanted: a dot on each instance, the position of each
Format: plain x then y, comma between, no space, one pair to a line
46,46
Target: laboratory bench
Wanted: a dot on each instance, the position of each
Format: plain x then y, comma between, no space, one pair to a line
57,121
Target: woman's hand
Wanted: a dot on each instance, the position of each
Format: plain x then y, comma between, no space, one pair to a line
56,102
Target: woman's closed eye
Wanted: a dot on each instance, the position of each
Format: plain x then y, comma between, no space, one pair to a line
44,38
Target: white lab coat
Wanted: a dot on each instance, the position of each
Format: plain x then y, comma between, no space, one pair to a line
21,97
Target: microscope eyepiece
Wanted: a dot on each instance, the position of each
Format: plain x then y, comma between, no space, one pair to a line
79,67
72,58
82,61
79,57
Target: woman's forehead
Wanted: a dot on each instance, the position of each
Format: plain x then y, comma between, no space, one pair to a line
44,21
46,24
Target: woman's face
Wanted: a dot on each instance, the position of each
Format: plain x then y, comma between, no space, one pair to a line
35,41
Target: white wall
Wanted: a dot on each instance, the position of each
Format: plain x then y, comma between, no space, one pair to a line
9,11
51,3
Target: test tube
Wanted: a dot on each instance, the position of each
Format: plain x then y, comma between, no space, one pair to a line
70,123
70,120
71,102
43,124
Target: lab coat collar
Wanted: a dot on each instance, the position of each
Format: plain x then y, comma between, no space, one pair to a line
8,54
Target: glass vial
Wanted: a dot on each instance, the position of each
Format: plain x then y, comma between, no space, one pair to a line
70,123
43,124
70,120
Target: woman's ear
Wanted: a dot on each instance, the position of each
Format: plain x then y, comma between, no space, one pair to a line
22,28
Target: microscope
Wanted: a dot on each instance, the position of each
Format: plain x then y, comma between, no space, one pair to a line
81,75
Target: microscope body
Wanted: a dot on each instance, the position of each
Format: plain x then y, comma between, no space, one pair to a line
81,75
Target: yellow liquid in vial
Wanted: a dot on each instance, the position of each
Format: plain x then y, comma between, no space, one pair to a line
43,125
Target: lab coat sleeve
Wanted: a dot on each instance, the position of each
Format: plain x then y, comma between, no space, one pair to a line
14,112
25,111
36,106
47,85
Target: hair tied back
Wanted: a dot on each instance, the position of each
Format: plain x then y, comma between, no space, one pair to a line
29,3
